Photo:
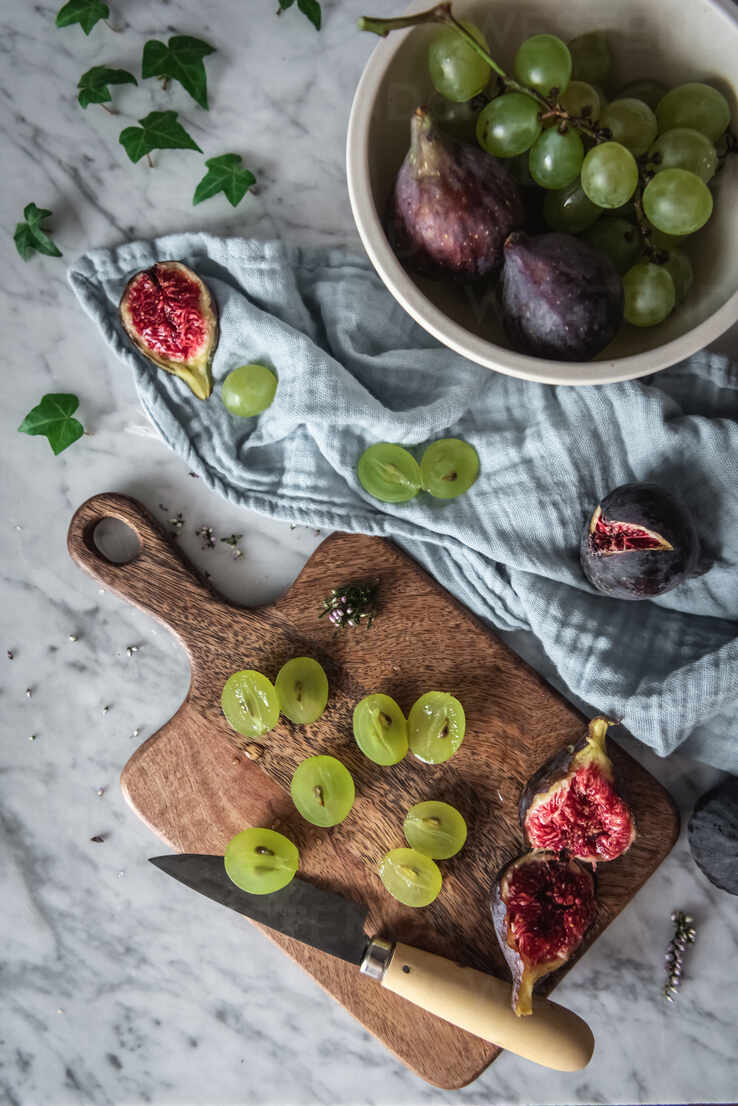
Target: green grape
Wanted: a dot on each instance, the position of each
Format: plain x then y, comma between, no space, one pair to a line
449,467
250,703
456,69
543,62
410,877
436,726
580,96
380,729
697,106
302,688
684,148
631,123
680,268
650,92
261,861
677,202
609,174
649,294
569,209
591,58
508,125
555,159
435,829
389,472
322,790
249,390
617,238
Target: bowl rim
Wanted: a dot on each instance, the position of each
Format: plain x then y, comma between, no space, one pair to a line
453,334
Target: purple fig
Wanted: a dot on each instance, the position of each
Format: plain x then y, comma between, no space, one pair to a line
453,206
640,542
561,298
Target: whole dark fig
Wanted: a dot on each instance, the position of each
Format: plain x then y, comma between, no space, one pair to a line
561,298
639,542
452,207
171,317
572,805
713,835
542,906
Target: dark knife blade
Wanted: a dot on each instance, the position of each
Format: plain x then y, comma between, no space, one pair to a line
301,910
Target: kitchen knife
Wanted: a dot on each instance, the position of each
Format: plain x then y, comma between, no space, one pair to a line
472,1000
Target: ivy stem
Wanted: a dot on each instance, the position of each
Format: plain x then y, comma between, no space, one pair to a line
109,25
151,164
110,111
442,13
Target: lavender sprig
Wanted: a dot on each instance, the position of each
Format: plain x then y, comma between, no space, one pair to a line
351,605
684,934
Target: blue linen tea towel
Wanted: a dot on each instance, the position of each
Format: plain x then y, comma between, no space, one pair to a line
354,369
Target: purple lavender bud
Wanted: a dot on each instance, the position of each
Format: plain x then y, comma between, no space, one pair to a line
349,610
334,616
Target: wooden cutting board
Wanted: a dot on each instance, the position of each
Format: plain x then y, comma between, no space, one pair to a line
194,786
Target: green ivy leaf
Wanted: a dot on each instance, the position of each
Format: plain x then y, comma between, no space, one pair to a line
180,60
85,12
159,130
225,174
284,5
311,8
53,419
93,85
29,238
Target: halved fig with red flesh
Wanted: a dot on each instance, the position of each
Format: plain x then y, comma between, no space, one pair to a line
171,317
571,804
542,906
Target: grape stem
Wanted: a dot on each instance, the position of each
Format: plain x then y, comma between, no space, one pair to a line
657,256
442,13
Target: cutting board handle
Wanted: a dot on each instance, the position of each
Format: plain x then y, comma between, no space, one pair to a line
158,579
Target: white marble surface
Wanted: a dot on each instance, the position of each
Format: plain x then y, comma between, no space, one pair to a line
112,988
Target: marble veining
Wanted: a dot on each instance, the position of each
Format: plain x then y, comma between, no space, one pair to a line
116,989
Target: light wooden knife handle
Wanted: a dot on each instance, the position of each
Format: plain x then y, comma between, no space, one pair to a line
480,1003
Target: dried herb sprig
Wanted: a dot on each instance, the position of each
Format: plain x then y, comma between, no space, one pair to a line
684,934
233,541
207,536
351,605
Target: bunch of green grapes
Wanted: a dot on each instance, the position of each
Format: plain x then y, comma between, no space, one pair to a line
631,174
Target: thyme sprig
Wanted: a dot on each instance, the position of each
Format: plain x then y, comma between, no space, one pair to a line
684,934
351,605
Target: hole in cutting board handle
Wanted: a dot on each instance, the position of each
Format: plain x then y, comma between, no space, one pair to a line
115,541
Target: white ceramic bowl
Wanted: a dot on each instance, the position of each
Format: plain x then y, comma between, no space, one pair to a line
671,40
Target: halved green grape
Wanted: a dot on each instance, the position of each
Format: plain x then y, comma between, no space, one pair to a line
435,829
410,877
581,98
677,202
248,390
508,125
591,57
651,92
380,729
556,159
569,209
698,106
250,703
631,123
323,791
456,69
543,62
261,861
302,688
436,726
649,294
609,174
389,472
449,467
684,148
617,238
682,273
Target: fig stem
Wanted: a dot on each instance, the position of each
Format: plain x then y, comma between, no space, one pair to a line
442,13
